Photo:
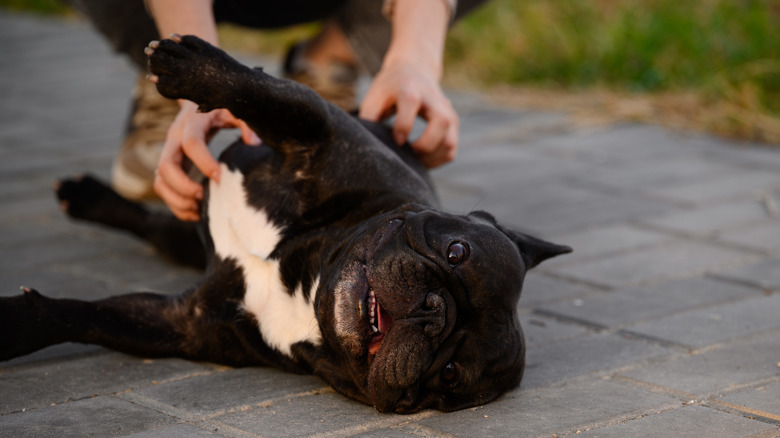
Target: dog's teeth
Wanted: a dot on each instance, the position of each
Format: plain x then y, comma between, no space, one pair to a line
372,310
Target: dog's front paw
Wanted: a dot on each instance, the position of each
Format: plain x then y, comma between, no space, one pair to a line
186,67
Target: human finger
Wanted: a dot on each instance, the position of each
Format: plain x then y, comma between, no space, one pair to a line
185,209
248,136
377,104
171,182
408,105
445,151
193,145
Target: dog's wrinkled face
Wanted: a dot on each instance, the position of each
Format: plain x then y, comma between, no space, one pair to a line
424,310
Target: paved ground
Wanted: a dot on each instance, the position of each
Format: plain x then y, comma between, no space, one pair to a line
664,322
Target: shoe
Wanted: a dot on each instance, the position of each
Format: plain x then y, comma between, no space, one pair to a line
335,82
132,174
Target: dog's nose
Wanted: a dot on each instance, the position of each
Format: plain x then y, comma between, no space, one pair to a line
435,306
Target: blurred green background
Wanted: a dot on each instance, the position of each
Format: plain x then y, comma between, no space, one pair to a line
709,65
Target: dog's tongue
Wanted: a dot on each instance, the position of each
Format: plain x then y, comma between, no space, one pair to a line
384,320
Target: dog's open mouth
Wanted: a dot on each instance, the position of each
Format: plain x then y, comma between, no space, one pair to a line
379,320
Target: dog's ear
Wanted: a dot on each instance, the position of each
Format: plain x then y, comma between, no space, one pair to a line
532,249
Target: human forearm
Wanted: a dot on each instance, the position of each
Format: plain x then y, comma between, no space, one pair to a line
419,31
190,17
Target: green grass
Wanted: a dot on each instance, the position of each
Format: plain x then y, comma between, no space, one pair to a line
49,7
644,45
725,51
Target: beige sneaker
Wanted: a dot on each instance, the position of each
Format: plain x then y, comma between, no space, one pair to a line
132,174
335,82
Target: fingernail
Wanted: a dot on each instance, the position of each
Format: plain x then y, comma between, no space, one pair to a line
400,138
215,176
199,195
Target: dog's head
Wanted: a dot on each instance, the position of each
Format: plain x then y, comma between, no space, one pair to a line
420,310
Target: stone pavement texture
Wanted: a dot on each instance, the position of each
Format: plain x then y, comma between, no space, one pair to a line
665,321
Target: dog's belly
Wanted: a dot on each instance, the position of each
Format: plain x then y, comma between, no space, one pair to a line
245,234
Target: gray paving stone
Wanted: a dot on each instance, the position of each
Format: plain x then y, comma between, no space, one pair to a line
176,431
605,240
560,410
506,164
45,383
320,413
495,124
747,183
539,288
764,399
567,208
148,273
99,416
712,219
746,153
676,260
53,284
459,199
24,233
764,237
653,172
628,142
764,274
404,431
541,331
716,371
28,209
231,390
716,324
558,361
689,421
630,305
67,351
46,252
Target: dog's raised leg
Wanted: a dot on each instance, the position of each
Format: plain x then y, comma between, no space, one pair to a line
292,119
86,198
277,110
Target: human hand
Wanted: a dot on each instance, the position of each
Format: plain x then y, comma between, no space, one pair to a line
188,136
405,89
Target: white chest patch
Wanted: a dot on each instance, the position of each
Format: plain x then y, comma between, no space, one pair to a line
245,234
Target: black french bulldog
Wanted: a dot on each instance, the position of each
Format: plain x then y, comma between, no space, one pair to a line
324,253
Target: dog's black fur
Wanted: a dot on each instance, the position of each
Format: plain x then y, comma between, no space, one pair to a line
328,215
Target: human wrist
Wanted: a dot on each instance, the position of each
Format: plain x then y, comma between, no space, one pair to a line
419,31
196,18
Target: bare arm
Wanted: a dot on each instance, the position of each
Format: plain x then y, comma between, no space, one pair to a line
189,132
193,17
408,82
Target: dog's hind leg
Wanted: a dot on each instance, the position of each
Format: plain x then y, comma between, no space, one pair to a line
86,198
31,321
207,322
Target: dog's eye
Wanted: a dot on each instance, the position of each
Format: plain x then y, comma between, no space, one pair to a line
457,253
449,373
